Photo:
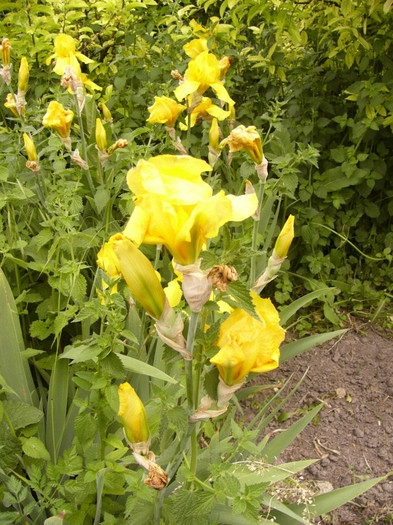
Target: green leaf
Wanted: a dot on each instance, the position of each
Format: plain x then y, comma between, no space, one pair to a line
274,448
139,367
266,473
241,294
35,448
328,502
112,366
101,198
298,347
55,520
56,419
81,353
274,503
290,310
85,427
178,418
10,448
21,414
15,370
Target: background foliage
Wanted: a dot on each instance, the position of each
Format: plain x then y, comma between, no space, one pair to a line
316,78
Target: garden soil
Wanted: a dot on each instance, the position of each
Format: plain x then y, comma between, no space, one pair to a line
353,435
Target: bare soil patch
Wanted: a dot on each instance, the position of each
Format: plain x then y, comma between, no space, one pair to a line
353,437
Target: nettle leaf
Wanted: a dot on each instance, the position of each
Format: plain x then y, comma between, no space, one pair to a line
79,287
85,427
10,447
81,353
178,418
22,414
112,366
191,507
35,448
209,259
41,329
239,297
101,198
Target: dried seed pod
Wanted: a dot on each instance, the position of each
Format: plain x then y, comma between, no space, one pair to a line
222,275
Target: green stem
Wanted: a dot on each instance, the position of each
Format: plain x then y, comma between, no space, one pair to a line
188,364
84,149
174,464
255,231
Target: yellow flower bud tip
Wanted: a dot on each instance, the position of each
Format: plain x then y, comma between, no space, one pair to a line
285,238
29,147
100,135
23,75
224,65
214,134
58,118
139,275
133,415
107,114
5,48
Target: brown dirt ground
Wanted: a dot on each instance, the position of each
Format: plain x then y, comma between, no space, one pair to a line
354,435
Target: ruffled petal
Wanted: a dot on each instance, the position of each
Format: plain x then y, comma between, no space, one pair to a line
243,206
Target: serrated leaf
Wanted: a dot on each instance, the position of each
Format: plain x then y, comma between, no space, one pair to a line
112,366
35,448
9,448
178,418
81,353
22,414
85,427
79,287
239,296
101,198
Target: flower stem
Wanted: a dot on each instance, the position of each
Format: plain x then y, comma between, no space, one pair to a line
188,364
84,149
261,193
174,464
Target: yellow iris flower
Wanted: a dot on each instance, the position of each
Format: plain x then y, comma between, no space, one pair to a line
66,55
245,138
248,345
195,47
206,110
176,208
58,118
165,111
133,415
10,104
203,72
